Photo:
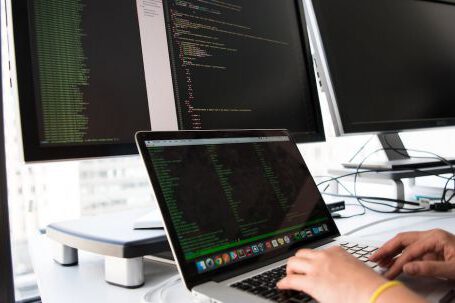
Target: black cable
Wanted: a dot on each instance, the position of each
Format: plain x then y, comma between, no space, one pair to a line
365,199
336,179
398,150
351,195
347,190
377,198
362,199
402,210
354,215
344,176
436,156
451,197
361,149
444,192
330,178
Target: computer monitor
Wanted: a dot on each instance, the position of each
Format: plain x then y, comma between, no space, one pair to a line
386,66
92,73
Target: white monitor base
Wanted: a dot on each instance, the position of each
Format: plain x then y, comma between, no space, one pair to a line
151,220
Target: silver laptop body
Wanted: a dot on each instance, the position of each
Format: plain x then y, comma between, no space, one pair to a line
206,181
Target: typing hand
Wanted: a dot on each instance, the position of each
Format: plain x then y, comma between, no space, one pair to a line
330,275
430,253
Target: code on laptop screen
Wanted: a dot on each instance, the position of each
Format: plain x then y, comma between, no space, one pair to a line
235,198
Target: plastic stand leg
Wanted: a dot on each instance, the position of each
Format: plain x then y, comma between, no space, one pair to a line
128,273
64,255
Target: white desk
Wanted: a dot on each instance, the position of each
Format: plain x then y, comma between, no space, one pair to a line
85,283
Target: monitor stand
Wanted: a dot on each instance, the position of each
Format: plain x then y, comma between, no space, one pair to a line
397,157
151,220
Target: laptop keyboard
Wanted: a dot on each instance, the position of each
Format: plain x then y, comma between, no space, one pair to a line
362,252
264,285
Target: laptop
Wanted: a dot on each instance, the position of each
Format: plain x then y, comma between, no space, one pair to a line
236,205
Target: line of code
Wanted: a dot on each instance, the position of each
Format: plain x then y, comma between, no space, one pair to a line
228,59
88,72
189,233
62,69
217,195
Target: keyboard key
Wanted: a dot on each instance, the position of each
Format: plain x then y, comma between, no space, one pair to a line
351,245
370,249
371,264
264,285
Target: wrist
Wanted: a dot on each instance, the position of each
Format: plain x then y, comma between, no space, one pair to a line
373,284
399,293
383,289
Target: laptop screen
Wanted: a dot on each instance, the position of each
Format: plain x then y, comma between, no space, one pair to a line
236,198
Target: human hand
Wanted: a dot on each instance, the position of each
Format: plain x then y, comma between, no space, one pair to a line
326,274
430,253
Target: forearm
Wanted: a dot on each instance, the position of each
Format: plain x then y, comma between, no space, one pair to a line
400,294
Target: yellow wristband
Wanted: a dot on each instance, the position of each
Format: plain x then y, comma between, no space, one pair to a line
382,289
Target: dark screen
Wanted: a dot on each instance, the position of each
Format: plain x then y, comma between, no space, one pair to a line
87,71
392,62
234,199
242,65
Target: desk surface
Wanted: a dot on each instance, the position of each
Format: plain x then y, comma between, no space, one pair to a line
85,282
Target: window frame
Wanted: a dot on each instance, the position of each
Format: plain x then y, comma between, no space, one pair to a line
6,272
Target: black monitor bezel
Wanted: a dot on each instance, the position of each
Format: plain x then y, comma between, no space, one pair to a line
256,262
348,127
